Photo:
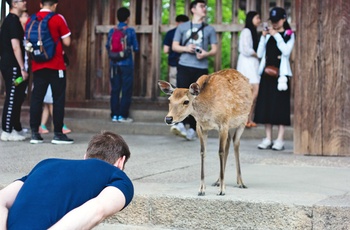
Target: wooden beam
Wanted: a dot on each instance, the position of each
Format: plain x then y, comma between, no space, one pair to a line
218,20
156,49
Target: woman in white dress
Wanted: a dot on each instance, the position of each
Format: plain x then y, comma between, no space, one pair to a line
248,62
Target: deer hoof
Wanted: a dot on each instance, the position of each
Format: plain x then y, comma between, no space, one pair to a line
201,193
216,184
242,186
221,194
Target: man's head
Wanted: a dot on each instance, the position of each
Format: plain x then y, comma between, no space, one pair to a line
49,4
181,18
18,4
109,147
197,5
123,14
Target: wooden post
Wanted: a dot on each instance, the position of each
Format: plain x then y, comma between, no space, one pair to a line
322,84
218,20
234,37
156,47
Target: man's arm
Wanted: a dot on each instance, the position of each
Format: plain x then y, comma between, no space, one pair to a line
94,211
7,197
16,47
66,41
166,49
183,49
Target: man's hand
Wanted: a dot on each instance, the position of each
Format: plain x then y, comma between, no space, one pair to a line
25,74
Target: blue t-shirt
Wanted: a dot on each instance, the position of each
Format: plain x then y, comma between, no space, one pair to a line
173,57
56,186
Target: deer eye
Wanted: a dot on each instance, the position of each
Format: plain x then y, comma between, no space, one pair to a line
186,102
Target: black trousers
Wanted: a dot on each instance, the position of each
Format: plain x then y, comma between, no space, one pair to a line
14,99
184,78
41,80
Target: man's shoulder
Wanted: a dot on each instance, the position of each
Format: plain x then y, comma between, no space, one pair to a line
184,25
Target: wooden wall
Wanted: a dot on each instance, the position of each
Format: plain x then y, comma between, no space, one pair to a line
322,81
146,19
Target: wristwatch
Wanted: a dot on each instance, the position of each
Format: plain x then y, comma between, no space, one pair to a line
23,69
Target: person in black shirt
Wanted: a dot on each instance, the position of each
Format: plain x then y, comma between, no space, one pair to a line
12,67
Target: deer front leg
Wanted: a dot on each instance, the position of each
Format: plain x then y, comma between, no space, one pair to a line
237,139
203,136
217,183
223,140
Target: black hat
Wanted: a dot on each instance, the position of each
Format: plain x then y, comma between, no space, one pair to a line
53,1
277,13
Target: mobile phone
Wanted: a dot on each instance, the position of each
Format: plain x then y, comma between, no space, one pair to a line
265,26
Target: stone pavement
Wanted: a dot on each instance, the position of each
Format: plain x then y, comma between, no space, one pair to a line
285,191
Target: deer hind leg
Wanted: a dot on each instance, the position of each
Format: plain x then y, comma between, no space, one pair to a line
227,147
203,136
236,143
222,155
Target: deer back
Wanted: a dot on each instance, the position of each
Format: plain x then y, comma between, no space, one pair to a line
224,96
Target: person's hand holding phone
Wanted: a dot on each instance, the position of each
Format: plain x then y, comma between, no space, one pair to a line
265,30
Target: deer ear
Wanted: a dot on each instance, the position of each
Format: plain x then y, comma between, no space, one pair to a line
166,87
194,89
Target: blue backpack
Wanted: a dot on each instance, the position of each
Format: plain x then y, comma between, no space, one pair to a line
39,42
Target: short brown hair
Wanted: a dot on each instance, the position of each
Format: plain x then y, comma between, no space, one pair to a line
107,146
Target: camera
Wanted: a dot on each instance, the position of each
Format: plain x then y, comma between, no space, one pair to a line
198,50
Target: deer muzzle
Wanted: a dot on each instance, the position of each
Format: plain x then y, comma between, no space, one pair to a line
168,120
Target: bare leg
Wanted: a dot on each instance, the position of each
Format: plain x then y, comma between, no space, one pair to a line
280,136
268,131
45,114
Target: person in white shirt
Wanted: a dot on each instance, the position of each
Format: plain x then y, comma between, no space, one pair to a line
273,101
248,62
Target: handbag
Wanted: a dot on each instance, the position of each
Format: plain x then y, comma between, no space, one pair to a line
272,71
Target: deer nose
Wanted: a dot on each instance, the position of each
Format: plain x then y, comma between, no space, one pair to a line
169,120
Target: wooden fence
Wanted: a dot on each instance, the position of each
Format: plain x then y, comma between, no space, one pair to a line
146,19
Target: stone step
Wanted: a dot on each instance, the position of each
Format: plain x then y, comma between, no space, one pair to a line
146,122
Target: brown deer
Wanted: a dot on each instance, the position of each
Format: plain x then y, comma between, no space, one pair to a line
220,101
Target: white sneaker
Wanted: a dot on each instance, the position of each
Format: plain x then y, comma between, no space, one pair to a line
178,130
15,136
265,144
278,145
191,134
125,120
5,136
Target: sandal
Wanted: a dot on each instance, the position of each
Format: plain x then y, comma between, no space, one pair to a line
252,124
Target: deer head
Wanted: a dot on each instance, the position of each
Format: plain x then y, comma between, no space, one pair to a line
180,101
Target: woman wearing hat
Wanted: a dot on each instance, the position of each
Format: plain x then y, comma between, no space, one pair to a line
273,102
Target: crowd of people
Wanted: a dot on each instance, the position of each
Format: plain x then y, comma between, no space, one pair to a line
271,92
263,59
51,72
188,45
